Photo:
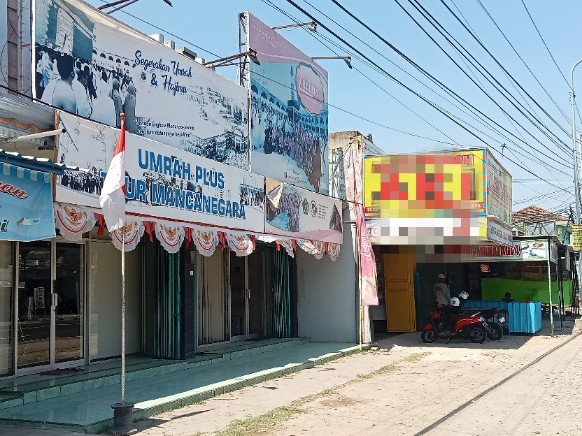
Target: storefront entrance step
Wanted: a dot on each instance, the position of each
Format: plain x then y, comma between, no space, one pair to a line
90,411
34,388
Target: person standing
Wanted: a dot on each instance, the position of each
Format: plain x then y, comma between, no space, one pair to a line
59,92
117,101
129,109
441,291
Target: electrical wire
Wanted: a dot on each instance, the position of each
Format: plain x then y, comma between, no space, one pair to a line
442,111
123,11
440,84
488,76
545,45
543,162
320,39
503,68
523,61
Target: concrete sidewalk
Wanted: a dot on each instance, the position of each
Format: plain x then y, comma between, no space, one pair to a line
90,411
338,396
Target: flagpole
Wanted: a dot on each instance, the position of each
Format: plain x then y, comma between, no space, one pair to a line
112,201
123,312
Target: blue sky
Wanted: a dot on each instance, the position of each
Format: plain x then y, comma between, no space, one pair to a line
213,26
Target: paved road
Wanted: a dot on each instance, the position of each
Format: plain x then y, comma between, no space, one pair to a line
543,399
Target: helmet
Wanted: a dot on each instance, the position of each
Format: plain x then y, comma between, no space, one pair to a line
455,302
464,295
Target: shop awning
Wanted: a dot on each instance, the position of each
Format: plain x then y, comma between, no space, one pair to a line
32,164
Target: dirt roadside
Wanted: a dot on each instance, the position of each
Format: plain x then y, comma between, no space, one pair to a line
401,388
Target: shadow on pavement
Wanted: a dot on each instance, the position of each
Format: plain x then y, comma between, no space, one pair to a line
512,341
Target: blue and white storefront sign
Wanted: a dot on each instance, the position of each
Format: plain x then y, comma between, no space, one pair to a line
26,204
162,182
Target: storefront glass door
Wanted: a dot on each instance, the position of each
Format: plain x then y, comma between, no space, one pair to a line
35,320
238,297
50,304
68,293
247,289
256,290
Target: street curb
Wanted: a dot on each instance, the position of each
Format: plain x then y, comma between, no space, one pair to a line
188,398
155,407
467,403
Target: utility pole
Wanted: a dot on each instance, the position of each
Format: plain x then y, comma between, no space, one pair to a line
575,151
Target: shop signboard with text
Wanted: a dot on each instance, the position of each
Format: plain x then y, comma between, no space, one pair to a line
302,214
520,251
498,190
26,204
425,199
89,64
161,181
289,111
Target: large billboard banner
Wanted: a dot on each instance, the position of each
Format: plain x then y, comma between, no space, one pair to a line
302,214
444,185
161,181
289,111
89,64
426,199
499,185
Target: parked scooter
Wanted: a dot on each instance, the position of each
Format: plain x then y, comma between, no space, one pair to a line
495,331
472,327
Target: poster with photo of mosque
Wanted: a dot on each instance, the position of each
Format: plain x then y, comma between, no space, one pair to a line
289,111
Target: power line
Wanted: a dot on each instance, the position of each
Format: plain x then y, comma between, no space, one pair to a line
503,68
319,38
529,116
523,61
452,60
545,45
123,11
434,105
512,84
426,73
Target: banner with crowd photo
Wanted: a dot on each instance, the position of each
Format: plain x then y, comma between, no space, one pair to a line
161,181
92,65
302,214
289,111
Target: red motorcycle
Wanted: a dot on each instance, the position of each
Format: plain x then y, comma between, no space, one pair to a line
473,327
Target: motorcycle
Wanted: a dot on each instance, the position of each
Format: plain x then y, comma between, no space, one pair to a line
473,327
494,328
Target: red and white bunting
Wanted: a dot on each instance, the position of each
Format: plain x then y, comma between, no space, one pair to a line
288,245
333,251
134,230
241,244
170,237
315,248
205,240
73,221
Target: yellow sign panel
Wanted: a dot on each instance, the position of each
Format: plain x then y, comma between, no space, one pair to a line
444,185
577,237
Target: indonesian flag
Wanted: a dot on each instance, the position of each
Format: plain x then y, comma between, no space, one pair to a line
112,197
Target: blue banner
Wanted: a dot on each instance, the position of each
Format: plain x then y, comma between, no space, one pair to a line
26,204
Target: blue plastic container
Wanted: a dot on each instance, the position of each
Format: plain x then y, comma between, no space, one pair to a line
521,317
525,317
